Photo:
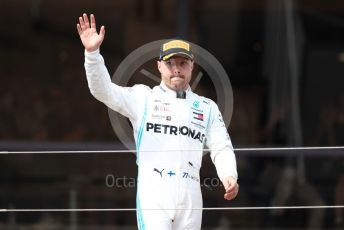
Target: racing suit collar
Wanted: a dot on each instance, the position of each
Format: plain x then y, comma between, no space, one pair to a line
171,92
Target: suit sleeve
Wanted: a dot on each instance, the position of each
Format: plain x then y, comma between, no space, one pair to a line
219,142
121,99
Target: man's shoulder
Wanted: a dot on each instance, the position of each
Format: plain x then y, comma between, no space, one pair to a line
141,88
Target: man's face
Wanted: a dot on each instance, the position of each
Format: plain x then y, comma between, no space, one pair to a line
176,72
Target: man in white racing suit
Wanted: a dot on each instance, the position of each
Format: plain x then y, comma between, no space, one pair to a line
171,126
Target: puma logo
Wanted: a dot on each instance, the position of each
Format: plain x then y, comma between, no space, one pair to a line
160,172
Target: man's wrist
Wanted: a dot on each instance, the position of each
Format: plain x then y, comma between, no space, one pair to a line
96,51
234,178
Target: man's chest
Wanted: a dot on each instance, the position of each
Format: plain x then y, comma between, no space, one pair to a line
181,116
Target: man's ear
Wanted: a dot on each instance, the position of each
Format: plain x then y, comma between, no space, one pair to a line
159,65
192,64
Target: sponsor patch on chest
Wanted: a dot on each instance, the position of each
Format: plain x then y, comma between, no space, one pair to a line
175,130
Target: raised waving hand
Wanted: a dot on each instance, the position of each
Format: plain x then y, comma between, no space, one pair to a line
88,33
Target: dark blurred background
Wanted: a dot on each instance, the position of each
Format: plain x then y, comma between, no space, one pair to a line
285,59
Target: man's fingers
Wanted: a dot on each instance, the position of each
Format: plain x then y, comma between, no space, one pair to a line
229,196
230,187
229,182
82,24
87,24
78,28
93,22
232,194
102,31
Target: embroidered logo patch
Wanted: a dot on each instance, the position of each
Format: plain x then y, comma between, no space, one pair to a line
196,104
198,116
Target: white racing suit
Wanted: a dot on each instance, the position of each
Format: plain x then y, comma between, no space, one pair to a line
170,135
